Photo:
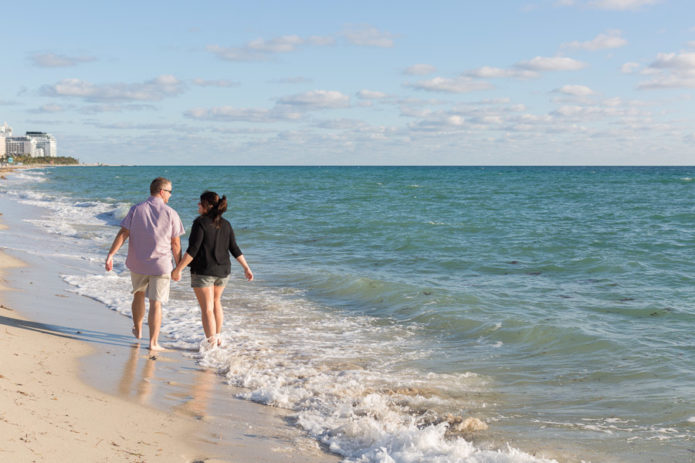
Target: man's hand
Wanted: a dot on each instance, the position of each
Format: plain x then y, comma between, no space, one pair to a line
109,263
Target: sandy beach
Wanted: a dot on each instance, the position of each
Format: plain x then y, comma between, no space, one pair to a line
75,386
48,414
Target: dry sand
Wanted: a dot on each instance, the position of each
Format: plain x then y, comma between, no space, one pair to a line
48,414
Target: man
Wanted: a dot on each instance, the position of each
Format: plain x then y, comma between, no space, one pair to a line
154,230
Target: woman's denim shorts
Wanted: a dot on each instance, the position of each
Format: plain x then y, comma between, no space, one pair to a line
203,281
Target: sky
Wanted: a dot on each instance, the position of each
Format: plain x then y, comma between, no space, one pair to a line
537,82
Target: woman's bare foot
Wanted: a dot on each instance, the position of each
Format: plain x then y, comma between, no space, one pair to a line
156,348
137,332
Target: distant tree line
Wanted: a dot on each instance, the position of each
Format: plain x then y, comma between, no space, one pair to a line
58,160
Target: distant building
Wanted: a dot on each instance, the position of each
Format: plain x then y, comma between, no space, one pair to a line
5,131
45,144
20,146
34,144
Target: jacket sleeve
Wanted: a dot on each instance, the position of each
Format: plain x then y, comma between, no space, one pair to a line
233,248
195,240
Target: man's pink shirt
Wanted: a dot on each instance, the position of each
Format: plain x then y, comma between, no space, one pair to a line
151,225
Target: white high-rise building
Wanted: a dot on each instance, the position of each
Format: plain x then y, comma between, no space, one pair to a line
34,144
5,131
46,144
20,146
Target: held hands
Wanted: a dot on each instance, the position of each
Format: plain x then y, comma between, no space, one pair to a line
176,274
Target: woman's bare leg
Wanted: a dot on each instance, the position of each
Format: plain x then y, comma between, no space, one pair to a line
205,298
219,313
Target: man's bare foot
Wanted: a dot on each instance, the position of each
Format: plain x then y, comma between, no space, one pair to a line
156,348
136,332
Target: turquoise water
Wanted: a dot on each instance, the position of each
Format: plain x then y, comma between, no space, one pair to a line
556,305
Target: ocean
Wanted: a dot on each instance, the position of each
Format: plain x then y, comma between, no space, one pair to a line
428,314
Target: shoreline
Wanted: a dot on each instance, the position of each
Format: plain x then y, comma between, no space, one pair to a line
80,364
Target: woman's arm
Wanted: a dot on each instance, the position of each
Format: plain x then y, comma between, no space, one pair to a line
247,270
185,260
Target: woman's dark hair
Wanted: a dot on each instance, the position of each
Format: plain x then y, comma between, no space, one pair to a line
214,206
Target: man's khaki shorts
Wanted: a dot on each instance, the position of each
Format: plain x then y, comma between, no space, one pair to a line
155,287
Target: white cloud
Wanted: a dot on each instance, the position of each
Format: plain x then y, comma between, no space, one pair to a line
215,83
316,99
462,84
371,95
419,70
610,108
291,80
287,109
621,5
262,49
488,72
284,44
114,108
682,62
135,126
690,44
320,41
51,108
341,124
52,60
575,90
671,70
668,82
611,39
630,67
47,109
236,53
232,114
556,63
369,36
152,90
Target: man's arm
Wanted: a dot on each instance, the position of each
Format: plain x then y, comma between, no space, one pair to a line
185,260
176,249
121,238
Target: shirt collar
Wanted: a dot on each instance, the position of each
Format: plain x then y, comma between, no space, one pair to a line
156,200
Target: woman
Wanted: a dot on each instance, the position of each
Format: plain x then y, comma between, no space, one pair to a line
209,244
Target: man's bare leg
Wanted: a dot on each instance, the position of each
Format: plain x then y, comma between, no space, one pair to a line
154,320
138,310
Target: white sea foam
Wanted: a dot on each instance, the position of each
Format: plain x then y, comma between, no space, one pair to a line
346,378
